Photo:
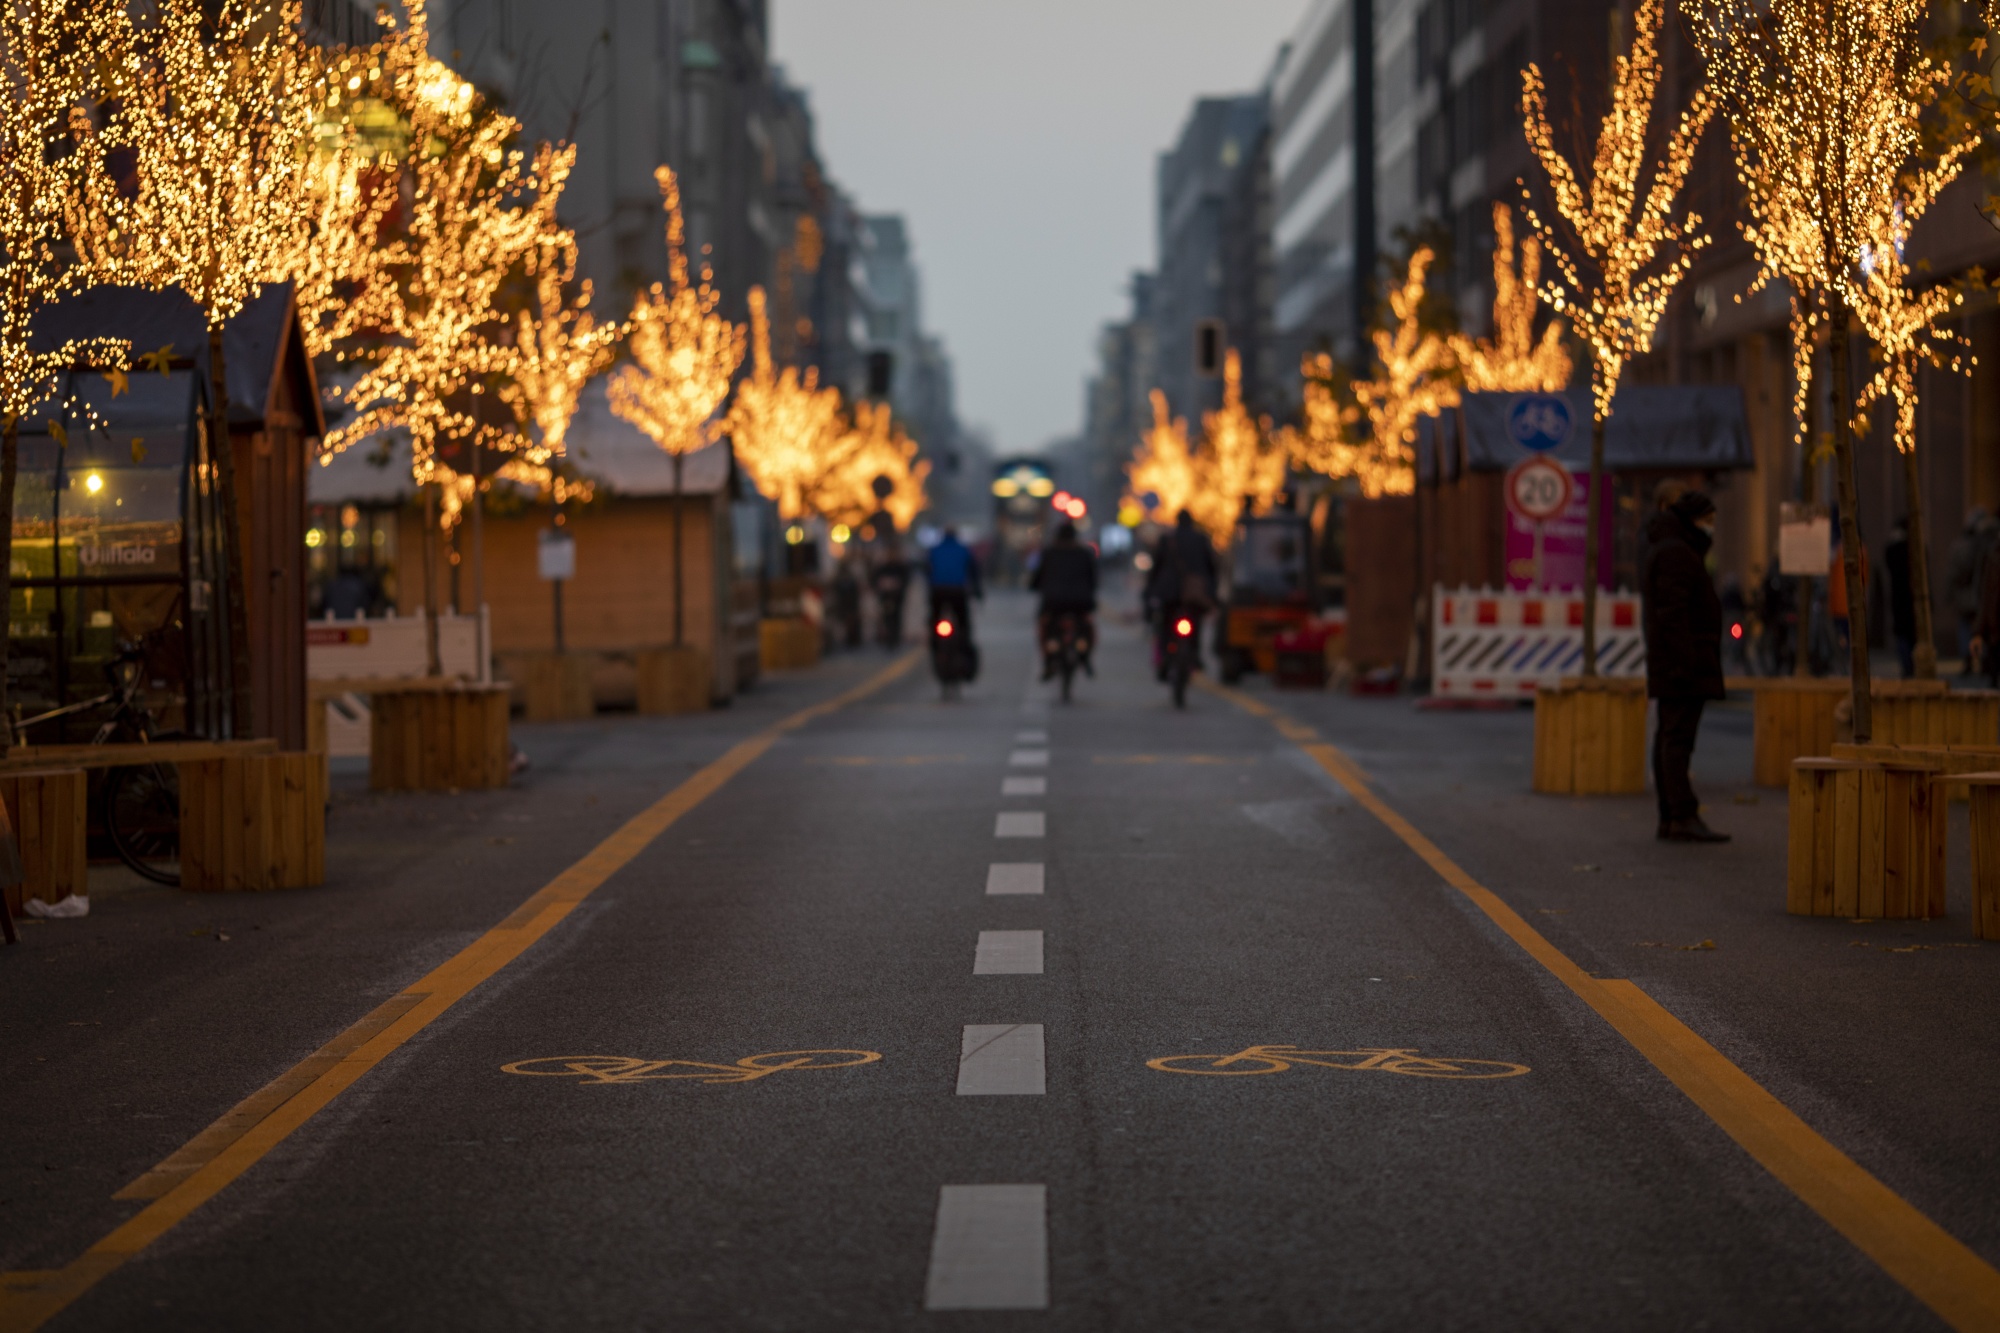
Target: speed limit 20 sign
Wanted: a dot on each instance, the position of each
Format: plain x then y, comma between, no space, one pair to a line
1539,489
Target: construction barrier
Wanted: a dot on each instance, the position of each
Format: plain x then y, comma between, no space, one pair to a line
1489,644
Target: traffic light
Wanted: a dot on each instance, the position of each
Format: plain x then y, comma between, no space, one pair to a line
1211,344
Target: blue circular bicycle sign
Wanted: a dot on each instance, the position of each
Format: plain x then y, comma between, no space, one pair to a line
1539,421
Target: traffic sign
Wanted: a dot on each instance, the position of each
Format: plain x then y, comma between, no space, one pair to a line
1539,489
1539,421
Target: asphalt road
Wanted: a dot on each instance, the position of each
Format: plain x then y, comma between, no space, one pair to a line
1207,887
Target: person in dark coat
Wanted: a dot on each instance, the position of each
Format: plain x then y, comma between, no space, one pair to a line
1902,599
1683,624
1066,578
1182,581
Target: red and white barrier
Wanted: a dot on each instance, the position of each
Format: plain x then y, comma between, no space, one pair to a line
1488,644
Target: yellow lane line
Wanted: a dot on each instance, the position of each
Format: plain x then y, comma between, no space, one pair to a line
208,1163
1936,1267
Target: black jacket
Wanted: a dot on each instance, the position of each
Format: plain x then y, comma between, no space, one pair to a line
1683,616
1067,578
1182,553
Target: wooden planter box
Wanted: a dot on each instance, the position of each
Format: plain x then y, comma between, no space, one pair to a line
555,687
1590,737
48,808
673,680
253,822
439,740
1794,720
1960,717
788,644
1985,855
1867,839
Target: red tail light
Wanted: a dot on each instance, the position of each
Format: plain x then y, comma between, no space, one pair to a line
944,629
1184,627
1735,631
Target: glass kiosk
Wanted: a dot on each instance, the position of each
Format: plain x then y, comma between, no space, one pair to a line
118,558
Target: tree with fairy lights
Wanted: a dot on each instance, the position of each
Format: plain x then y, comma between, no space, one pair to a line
875,469
48,53
1239,466
558,348
1514,360
1163,464
1415,376
785,428
197,180
1618,252
1828,104
684,356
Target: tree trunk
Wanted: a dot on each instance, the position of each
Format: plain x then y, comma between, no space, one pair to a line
1592,528
679,580
242,708
1925,653
1809,493
1850,530
10,462
433,661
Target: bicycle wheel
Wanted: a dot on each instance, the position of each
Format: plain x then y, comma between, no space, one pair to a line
1238,1066
142,815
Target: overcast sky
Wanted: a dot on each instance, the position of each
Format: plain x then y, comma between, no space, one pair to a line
1018,137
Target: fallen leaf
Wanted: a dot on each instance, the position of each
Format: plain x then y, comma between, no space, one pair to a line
1705,944
1586,867
220,936
1908,948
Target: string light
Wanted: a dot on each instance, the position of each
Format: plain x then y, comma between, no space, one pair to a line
785,428
558,347
1513,360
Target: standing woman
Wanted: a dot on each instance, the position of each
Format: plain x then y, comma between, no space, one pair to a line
1683,623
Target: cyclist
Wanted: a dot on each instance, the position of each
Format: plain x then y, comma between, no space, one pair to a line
953,575
1182,583
1067,580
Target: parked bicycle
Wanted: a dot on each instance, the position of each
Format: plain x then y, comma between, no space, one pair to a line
141,803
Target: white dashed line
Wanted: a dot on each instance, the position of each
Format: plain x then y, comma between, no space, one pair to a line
1008,953
1001,1060
1029,759
1021,824
991,1249
1014,877
1024,786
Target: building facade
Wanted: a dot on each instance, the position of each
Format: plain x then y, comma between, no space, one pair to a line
1214,203
1323,176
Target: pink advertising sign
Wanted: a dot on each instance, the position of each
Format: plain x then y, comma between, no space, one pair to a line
1562,544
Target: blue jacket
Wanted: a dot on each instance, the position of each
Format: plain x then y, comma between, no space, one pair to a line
952,566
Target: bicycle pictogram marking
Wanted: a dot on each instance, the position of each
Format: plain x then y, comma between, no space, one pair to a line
601,1069
1371,1060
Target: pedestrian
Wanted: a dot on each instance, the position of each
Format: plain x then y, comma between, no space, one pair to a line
847,601
1836,592
1683,626
1968,561
1902,601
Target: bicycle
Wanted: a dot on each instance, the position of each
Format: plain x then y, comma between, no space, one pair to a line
1253,1060
603,1069
141,802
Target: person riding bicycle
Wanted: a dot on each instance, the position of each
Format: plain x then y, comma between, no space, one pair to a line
953,574
1182,583
1067,580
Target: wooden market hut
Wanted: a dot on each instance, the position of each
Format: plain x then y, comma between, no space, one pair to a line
275,422
620,601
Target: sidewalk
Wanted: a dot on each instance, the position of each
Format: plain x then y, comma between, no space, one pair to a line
1879,1033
